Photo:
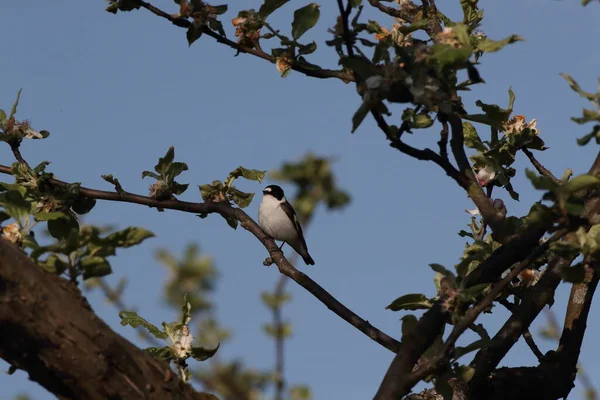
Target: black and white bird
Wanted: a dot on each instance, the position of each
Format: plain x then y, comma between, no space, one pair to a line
278,219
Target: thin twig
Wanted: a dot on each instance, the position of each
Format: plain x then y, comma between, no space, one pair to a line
17,153
443,143
296,66
394,12
284,266
526,335
344,14
539,167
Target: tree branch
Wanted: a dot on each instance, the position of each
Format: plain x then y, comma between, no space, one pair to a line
491,216
393,12
344,14
526,335
398,383
285,267
488,358
49,330
539,167
296,66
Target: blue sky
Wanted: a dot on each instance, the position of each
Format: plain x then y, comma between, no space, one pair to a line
116,91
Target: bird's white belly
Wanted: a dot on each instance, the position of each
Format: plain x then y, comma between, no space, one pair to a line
276,223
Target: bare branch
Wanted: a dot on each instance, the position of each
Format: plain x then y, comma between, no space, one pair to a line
526,335
539,167
285,267
344,14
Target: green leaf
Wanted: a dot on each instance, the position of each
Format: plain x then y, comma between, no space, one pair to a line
472,139
413,301
588,116
442,270
476,345
216,25
95,267
273,300
128,237
49,216
186,311
421,121
473,292
161,353
150,174
304,19
202,354
595,134
240,198
540,182
193,33
131,318
174,170
62,228
13,110
269,6
165,162
576,88
360,115
466,373
447,55
222,9
2,117
415,26
581,182
489,46
232,222
308,49
494,115
53,264
362,67
250,174
83,205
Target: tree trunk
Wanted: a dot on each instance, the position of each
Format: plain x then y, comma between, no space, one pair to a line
48,329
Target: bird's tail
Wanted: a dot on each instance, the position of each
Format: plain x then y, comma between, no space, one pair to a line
308,259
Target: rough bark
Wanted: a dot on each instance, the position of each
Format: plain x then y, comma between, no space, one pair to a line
48,329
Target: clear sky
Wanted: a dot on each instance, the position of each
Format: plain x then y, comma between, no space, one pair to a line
116,91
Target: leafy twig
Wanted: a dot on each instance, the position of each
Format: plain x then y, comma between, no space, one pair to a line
397,384
184,23
284,266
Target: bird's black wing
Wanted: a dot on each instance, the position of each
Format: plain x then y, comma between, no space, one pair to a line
291,213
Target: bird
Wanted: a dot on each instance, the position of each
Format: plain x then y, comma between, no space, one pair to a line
278,219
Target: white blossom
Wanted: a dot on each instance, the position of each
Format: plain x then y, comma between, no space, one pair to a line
517,124
475,212
485,175
183,342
